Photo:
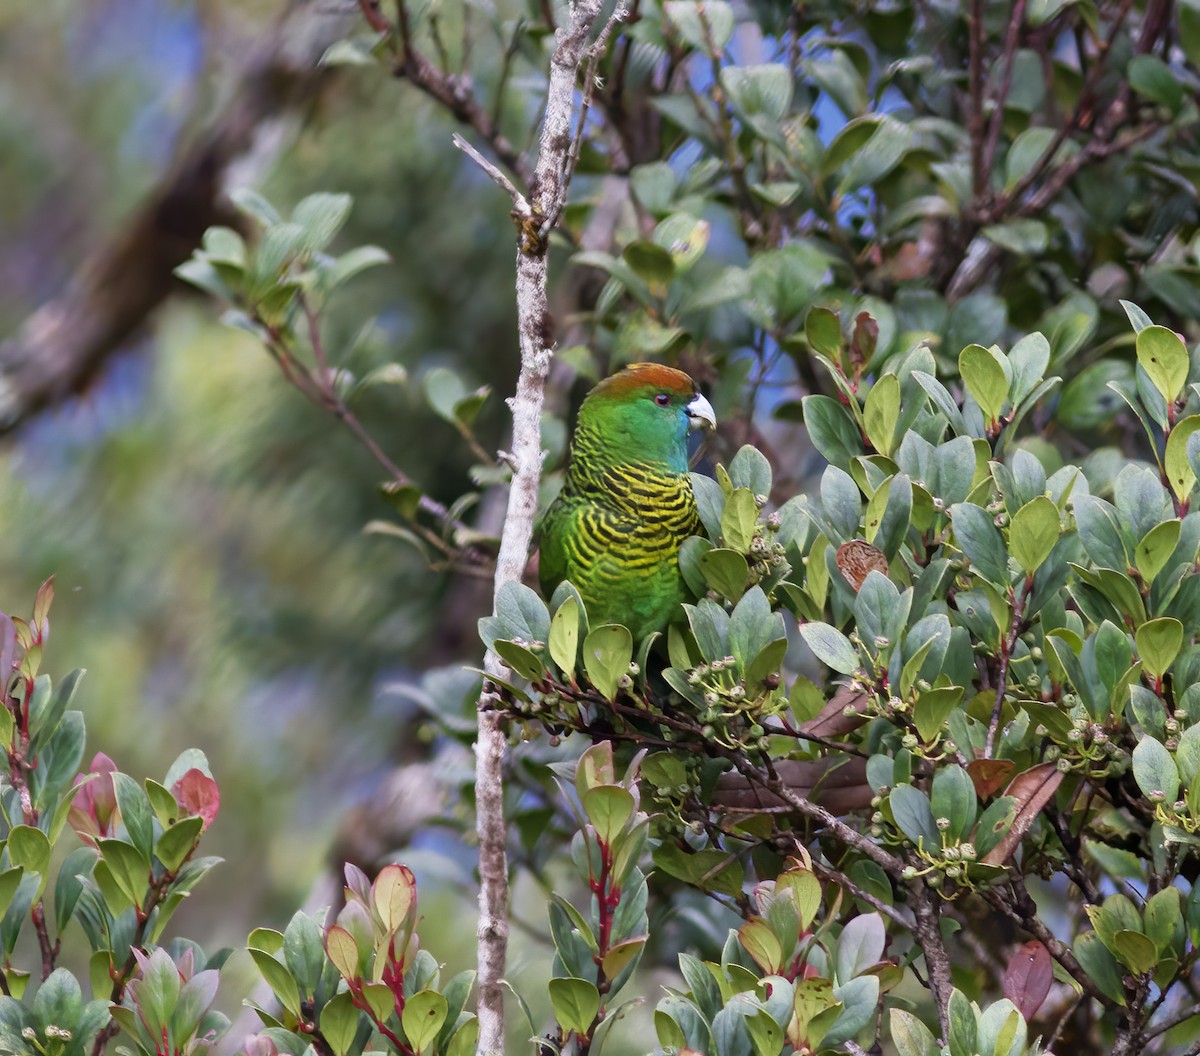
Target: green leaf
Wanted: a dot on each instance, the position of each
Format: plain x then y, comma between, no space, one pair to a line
654,183
684,237
424,1014
986,379
1026,151
910,1035
607,652
1156,548
178,841
726,571
952,796
1158,644
1034,530
751,470
321,216
519,659
650,261
706,27
1155,771
29,849
1151,77
832,430
304,952
576,1003
831,647
1180,474
352,262
339,1022
933,708
1164,357
962,1025
1135,951
881,413
859,946
762,944
1023,237
755,90
877,157
739,519
608,808
979,539
1163,915
135,813
342,949
710,870
1102,968
564,637
524,614
823,330
279,979
913,816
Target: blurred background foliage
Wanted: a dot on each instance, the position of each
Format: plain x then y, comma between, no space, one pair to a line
204,521
959,178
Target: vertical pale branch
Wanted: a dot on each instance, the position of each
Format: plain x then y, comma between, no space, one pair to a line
535,217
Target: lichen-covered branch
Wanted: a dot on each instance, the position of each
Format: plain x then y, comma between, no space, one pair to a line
535,216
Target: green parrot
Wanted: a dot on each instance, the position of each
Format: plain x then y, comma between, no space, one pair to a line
627,504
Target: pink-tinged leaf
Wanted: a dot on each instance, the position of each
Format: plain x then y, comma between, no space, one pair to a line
197,793
41,610
8,649
1028,977
1032,790
358,884
259,1045
343,952
395,893
95,800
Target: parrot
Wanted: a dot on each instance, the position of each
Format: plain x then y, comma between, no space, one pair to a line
627,504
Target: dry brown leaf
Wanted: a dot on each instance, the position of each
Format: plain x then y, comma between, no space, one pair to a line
990,775
832,720
837,784
857,559
1032,790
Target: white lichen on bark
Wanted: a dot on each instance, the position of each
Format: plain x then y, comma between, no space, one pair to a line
536,213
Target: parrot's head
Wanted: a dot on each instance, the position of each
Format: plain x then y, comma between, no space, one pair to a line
645,411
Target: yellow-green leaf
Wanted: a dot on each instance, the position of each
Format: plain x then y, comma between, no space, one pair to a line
1164,357
1034,530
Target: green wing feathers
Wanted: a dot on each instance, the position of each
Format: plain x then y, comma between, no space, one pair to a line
618,542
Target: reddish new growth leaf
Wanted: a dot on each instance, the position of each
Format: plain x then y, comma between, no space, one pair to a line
862,343
197,794
95,802
1028,977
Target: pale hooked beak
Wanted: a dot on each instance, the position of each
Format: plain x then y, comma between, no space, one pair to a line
700,414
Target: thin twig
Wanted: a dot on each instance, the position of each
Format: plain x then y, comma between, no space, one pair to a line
1010,54
503,181
979,182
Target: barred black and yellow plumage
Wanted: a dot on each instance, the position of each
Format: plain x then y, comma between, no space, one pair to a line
627,504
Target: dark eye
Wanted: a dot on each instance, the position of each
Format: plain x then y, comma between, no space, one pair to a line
662,399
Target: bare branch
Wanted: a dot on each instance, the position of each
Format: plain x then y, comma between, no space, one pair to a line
503,181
